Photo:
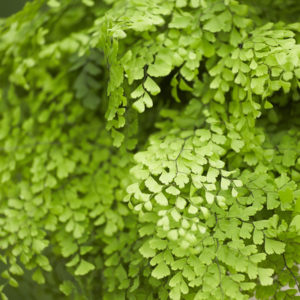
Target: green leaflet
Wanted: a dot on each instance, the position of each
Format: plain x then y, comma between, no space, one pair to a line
160,271
66,287
272,246
219,22
84,267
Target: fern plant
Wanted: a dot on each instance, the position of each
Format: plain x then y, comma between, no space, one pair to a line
150,150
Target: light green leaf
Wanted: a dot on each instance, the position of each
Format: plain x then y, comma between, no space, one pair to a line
272,201
147,100
161,199
258,237
273,246
138,92
219,23
286,195
84,268
296,223
225,183
180,203
152,185
161,271
151,86
258,85
175,293
139,105
147,251
175,280
209,197
246,230
88,2
157,243
173,190
237,145
53,3
265,276
66,287
38,276
204,134
212,174
289,158
160,68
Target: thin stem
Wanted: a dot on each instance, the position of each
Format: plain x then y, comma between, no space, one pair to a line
291,272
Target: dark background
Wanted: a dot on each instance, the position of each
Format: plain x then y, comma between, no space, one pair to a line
9,7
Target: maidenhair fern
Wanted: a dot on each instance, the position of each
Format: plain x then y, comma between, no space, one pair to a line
150,150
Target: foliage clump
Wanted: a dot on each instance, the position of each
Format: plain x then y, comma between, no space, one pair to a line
150,150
